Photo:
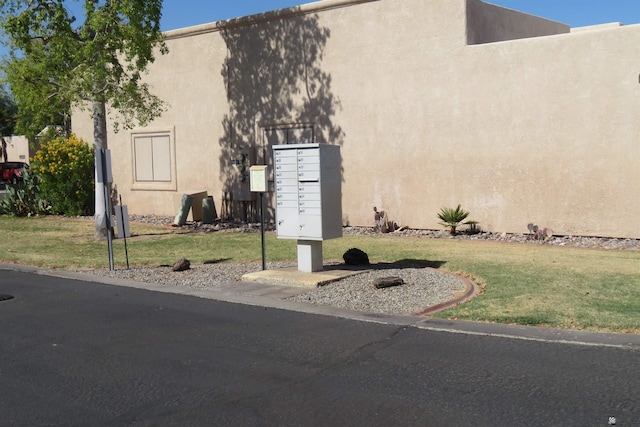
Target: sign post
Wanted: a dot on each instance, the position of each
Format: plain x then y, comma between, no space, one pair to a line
258,184
123,222
103,163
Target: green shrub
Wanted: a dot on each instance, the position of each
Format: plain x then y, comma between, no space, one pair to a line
24,198
65,167
453,218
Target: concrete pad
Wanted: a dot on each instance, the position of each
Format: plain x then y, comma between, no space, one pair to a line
290,276
255,289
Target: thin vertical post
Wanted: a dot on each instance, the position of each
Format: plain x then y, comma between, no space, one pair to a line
107,214
124,232
264,258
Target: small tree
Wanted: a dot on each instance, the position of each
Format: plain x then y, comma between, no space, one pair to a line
453,218
36,108
8,112
86,63
65,169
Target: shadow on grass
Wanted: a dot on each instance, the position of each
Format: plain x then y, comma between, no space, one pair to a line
210,261
151,235
418,263
216,261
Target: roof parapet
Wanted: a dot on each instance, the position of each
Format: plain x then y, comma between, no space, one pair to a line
243,21
607,26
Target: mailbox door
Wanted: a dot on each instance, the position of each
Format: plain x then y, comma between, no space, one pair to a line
310,227
287,224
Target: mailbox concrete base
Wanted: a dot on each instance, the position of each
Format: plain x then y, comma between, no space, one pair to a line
309,255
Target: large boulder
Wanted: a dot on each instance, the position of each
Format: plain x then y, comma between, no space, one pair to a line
355,256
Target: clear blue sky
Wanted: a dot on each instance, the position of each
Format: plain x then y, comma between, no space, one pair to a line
576,13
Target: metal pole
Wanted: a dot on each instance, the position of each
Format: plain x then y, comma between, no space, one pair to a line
107,215
124,232
264,258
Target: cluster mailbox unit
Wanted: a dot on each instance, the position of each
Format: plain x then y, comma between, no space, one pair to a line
308,182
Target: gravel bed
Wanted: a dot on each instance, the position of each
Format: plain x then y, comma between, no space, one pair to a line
423,287
205,276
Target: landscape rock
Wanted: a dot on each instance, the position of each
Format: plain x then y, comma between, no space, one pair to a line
355,256
181,265
387,282
609,243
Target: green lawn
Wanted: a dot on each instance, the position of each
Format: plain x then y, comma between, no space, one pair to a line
522,284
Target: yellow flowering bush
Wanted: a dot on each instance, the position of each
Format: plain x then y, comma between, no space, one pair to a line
65,167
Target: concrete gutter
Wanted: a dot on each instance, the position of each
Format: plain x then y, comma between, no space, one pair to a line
275,296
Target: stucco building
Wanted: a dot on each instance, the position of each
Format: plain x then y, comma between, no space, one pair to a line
434,103
17,148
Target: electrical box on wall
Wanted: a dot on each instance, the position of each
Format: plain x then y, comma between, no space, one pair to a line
242,159
308,182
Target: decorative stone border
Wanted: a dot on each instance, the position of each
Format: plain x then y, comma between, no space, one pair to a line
471,290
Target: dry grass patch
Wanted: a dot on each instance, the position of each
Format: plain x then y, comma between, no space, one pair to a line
522,284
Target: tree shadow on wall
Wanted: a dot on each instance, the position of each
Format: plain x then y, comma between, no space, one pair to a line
277,93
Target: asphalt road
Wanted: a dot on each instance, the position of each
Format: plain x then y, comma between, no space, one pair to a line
76,353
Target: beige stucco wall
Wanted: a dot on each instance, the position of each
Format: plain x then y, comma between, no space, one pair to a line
489,23
17,148
188,80
556,136
539,130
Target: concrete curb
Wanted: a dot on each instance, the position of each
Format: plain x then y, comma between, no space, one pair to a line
271,298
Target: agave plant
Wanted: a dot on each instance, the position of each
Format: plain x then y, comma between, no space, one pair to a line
453,218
